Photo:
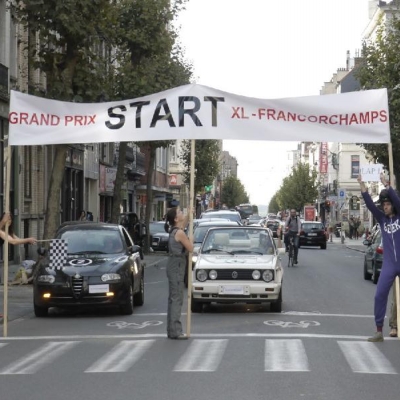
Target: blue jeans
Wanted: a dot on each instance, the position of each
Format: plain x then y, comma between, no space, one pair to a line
295,242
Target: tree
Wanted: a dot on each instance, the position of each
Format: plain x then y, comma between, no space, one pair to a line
233,192
380,69
206,163
149,61
273,206
62,44
299,188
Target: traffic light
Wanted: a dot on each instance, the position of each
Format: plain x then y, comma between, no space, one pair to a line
327,205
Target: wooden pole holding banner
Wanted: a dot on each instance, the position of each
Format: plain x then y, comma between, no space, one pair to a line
5,264
191,206
396,282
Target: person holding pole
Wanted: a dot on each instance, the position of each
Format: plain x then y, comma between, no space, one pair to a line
178,245
389,222
12,237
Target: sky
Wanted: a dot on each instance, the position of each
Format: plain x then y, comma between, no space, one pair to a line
269,49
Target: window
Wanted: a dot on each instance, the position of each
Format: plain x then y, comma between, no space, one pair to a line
173,153
355,166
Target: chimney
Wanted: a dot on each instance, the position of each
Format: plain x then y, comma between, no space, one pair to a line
348,60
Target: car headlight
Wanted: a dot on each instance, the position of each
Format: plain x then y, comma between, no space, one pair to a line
194,258
268,275
46,278
110,277
201,275
213,274
256,275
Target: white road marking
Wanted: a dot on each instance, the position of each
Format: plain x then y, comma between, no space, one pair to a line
285,355
38,359
196,335
366,358
121,357
153,283
202,355
3,345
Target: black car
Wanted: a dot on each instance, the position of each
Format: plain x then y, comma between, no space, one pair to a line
100,267
273,224
373,257
158,236
313,234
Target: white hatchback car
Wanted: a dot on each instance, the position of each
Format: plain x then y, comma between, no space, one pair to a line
238,265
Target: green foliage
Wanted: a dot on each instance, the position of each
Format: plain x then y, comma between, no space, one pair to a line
233,192
273,206
381,69
206,163
299,188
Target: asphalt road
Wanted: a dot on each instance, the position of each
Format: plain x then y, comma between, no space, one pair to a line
315,349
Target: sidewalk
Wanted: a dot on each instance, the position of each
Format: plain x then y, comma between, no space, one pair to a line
353,244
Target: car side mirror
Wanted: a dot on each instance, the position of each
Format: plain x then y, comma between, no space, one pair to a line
281,250
137,249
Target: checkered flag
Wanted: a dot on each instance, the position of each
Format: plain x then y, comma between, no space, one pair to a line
58,253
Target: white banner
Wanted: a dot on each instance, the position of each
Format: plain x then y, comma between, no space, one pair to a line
200,112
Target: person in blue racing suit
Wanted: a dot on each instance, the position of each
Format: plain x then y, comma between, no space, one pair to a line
389,222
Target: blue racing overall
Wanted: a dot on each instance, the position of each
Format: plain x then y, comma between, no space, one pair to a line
390,228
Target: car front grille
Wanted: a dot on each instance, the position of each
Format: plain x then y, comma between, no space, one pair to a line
77,285
227,274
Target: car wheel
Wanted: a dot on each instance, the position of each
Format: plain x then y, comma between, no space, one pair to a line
196,306
127,309
367,275
40,311
375,276
138,299
277,305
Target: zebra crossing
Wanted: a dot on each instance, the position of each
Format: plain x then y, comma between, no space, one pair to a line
197,355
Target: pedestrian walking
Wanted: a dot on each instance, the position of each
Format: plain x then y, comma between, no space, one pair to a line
178,245
389,222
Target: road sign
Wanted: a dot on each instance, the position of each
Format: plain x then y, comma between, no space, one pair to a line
173,180
342,194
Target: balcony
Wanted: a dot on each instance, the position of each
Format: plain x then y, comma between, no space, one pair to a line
138,168
4,82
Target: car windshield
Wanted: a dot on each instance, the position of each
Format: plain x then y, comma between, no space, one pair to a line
238,241
95,241
156,228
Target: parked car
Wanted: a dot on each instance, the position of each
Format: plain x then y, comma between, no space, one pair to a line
373,256
313,234
238,265
254,220
224,214
101,267
158,236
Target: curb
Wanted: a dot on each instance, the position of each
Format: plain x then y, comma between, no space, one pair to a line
359,250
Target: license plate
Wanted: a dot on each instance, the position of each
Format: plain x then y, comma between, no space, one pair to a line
155,243
231,290
99,288
312,234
